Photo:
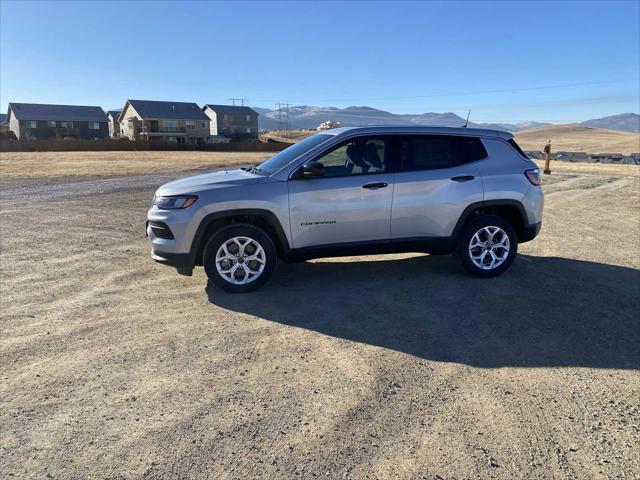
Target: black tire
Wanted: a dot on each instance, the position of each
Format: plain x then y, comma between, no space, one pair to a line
224,235
465,239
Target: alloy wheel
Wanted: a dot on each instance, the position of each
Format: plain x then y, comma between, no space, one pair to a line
240,260
489,247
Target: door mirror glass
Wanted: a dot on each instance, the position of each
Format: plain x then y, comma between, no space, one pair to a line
311,170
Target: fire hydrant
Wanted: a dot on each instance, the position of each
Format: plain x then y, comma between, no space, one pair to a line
547,157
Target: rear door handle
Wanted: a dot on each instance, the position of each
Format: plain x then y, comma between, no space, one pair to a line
375,186
462,178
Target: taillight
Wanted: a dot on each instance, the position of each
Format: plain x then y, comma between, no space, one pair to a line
533,176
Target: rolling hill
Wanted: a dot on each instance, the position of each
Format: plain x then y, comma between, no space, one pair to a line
626,122
303,117
578,138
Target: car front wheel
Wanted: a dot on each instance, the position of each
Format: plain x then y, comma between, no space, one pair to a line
488,246
239,258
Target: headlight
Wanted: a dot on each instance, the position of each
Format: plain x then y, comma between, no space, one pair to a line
171,203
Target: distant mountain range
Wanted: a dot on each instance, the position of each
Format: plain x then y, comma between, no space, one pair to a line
304,117
626,122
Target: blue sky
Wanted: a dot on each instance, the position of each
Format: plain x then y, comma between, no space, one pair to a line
507,61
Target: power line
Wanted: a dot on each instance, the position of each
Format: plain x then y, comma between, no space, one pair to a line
284,121
240,101
569,102
477,92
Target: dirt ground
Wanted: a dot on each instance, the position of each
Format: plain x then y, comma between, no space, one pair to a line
395,366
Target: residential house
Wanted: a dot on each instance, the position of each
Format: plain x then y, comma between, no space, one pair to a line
114,123
4,127
40,121
172,122
232,121
328,125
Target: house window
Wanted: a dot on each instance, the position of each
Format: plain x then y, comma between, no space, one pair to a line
203,125
52,123
170,123
247,118
32,124
191,124
94,126
248,130
66,124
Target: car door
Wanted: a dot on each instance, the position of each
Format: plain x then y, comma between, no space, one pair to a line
348,197
437,179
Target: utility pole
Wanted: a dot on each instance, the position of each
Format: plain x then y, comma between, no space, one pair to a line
238,101
284,122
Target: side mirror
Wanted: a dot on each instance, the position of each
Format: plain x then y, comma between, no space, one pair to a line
311,170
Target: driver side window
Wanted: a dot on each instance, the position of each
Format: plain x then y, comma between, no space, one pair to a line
360,156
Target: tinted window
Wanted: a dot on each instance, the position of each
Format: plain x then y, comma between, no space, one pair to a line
471,149
428,152
360,156
513,143
432,152
288,155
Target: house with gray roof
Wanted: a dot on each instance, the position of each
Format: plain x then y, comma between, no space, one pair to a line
30,121
113,117
232,121
4,127
171,122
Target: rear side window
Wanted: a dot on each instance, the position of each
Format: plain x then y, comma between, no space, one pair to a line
471,149
513,143
429,152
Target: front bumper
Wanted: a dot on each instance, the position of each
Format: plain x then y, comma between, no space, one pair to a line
171,230
182,262
529,232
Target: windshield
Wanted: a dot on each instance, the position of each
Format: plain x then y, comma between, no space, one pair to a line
289,154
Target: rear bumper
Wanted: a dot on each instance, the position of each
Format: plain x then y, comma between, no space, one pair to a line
529,232
182,262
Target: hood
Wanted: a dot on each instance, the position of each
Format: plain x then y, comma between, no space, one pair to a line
223,179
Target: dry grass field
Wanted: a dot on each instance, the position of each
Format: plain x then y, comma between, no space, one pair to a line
577,138
292,136
40,166
80,164
563,137
390,366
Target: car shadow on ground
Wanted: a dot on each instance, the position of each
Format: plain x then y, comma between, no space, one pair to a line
544,312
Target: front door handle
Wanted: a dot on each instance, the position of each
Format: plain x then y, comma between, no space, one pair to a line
462,178
375,186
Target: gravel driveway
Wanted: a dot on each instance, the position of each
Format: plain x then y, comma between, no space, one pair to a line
393,366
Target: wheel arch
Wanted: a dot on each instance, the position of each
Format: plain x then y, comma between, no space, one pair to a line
511,210
263,219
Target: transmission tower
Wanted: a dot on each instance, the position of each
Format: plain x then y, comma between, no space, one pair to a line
284,121
238,101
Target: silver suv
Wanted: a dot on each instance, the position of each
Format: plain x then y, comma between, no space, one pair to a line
353,191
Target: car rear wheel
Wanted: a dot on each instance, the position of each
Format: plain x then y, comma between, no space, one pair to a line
239,258
488,246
